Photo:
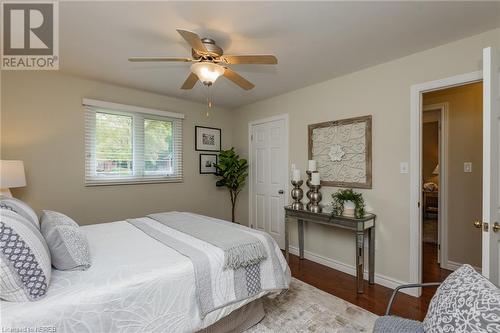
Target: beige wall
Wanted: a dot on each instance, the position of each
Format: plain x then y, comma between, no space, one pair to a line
42,123
384,92
430,151
464,189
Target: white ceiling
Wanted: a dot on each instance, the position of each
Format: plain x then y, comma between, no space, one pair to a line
314,42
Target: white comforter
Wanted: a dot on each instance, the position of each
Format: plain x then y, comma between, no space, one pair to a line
134,284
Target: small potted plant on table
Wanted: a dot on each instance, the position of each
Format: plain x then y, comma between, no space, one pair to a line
346,202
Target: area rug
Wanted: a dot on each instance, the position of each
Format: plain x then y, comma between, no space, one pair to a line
305,308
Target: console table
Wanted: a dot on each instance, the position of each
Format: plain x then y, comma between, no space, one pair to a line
359,226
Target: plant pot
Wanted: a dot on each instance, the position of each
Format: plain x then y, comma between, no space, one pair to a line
349,208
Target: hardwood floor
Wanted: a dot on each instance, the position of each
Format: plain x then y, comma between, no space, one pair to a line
431,270
376,297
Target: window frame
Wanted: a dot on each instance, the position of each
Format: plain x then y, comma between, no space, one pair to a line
139,115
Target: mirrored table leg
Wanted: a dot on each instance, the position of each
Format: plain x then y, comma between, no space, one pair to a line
371,255
301,238
287,241
360,240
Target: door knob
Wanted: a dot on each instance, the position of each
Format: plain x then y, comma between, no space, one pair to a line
496,227
281,192
478,224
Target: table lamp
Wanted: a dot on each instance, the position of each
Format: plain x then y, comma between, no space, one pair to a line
436,170
11,175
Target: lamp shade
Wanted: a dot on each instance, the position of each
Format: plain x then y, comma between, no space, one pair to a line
436,170
12,174
207,72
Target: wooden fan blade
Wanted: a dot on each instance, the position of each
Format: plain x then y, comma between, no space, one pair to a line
238,79
250,59
148,59
190,81
193,40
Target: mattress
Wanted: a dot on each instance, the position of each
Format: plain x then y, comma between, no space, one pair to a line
134,284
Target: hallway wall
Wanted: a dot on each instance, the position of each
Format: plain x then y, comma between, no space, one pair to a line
465,128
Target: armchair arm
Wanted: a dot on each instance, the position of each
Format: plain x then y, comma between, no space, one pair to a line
404,286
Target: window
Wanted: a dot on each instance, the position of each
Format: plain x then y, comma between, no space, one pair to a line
127,144
113,144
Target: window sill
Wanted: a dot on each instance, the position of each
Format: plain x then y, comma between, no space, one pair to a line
91,183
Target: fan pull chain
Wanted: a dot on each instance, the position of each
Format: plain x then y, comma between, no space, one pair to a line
209,100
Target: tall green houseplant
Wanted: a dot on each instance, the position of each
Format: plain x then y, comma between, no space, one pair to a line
232,172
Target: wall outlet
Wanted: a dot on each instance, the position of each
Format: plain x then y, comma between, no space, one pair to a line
403,167
468,167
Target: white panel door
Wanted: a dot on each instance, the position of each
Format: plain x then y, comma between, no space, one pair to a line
268,176
491,165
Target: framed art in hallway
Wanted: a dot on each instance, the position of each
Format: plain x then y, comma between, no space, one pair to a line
207,138
207,163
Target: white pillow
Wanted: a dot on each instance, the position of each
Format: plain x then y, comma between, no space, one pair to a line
67,243
25,266
21,208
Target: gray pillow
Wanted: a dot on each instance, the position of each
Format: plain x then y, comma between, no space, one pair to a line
67,243
21,208
465,302
393,324
24,259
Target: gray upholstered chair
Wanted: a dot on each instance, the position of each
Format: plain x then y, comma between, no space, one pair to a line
465,302
393,324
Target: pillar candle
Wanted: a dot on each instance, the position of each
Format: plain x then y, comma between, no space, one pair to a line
296,175
312,165
315,178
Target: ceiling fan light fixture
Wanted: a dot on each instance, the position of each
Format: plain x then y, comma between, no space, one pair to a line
206,57
207,72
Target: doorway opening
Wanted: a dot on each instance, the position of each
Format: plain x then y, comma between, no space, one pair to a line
451,179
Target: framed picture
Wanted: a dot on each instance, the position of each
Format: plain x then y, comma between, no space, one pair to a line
207,163
343,151
207,138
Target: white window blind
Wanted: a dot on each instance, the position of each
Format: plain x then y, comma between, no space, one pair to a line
128,144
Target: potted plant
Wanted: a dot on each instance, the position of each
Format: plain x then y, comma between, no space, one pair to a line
232,172
348,203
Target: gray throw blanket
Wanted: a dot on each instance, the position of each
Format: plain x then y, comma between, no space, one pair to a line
212,292
241,249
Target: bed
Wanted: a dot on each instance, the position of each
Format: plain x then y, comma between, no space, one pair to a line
137,283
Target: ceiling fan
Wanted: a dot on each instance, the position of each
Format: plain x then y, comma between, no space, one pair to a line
209,62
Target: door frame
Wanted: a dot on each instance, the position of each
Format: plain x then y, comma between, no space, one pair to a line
443,180
416,92
252,123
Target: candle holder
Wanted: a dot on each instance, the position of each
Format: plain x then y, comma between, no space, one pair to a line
297,195
315,199
309,191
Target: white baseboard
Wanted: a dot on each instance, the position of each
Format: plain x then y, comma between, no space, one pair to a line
453,265
349,269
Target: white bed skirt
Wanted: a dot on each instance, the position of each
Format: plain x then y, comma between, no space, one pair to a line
239,320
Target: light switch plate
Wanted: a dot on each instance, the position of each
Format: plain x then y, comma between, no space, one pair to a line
468,167
403,167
